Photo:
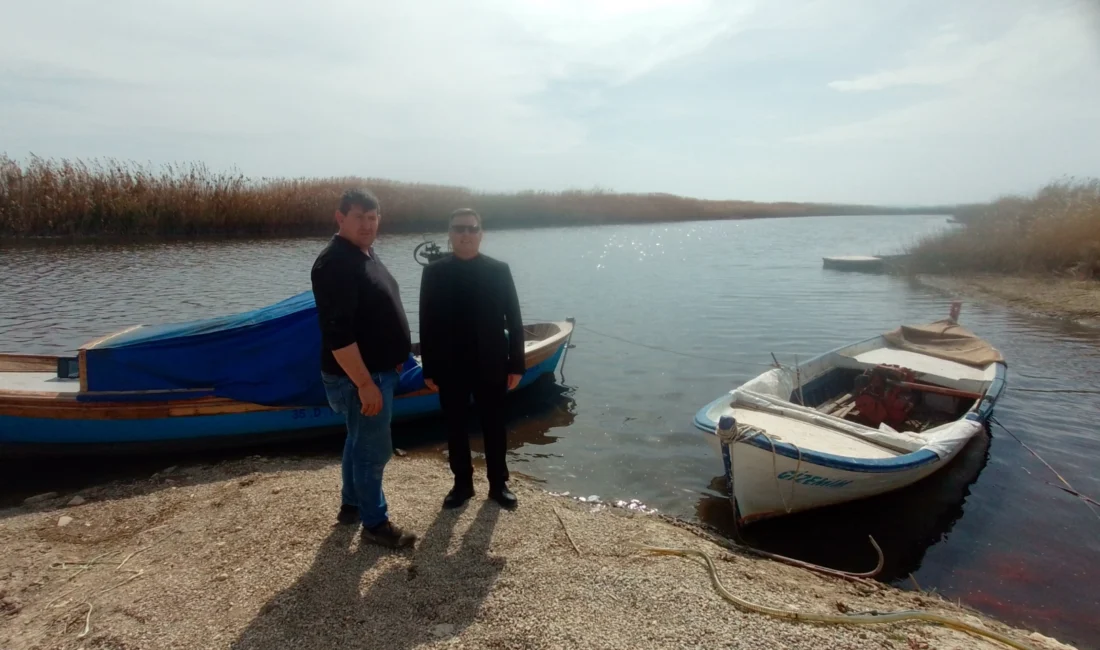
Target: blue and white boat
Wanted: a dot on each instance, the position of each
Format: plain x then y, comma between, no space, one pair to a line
861,420
238,379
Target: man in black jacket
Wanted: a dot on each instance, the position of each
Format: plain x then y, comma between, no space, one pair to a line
467,300
364,339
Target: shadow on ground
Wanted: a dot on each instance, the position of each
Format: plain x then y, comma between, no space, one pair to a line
433,596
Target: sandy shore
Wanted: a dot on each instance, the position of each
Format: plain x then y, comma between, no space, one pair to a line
1074,300
245,555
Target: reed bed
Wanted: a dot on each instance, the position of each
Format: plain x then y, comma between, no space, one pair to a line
1056,231
75,199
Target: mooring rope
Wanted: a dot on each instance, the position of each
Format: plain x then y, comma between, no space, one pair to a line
716,537
658,348
1077,391
775,470
703,357
871,618
1072,490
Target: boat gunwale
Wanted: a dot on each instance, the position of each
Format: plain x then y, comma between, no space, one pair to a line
13,362
67,405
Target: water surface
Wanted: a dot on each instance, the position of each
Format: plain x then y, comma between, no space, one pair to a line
989,530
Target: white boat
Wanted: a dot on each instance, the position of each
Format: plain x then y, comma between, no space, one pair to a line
861,420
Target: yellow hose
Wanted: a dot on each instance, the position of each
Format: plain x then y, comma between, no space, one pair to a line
853,619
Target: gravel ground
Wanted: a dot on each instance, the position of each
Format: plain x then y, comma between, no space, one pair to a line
245,555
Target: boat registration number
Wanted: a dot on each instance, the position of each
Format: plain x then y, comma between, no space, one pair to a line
300,414
806,478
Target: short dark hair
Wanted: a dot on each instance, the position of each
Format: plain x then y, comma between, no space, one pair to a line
464,212
361,197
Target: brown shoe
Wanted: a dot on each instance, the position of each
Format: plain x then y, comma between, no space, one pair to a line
388,535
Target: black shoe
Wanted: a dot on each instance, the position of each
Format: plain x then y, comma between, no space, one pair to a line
386,534
347,515
458,495
502,495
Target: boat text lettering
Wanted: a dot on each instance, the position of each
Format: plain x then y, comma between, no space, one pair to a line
810,479
298,414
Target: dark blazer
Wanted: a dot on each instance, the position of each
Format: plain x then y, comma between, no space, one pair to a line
496,308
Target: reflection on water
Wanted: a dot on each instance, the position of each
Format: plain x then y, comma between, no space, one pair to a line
542,407
904,523
987,529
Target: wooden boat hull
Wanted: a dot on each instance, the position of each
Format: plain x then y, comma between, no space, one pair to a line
33,423
769,477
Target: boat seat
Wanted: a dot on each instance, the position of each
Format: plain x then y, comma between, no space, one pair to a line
950,374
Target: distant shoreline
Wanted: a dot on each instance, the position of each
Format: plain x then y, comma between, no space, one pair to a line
425,227
71,201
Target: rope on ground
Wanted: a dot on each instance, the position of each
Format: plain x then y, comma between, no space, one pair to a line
881,562
145,548
874,618
706,533
1034,453
97,560
87,622
566,529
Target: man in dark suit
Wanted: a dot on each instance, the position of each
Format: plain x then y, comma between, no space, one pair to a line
467,300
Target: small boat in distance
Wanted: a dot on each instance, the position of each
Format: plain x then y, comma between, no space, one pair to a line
226,381
864,419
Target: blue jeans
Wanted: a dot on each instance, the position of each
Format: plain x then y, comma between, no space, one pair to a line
368,446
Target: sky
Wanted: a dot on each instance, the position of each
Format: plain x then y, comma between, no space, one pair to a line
867,101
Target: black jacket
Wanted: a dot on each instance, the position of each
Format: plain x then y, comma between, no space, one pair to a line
358,301
480,293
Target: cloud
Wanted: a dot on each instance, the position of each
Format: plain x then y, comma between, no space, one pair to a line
451,71
1039,46
1042,68
945,59
786,99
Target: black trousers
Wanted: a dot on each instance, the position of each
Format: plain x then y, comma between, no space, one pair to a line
489,397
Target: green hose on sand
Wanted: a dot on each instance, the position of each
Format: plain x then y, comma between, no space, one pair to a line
852,619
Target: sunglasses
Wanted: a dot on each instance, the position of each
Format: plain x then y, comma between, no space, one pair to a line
460,228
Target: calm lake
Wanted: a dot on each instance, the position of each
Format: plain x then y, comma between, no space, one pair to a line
991,529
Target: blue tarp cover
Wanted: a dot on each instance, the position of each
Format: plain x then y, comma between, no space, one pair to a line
269,356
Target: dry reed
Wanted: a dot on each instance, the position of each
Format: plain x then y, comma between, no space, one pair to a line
1055,231
46,198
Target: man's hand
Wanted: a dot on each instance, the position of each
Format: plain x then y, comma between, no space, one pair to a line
431,384
513,381
371,398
